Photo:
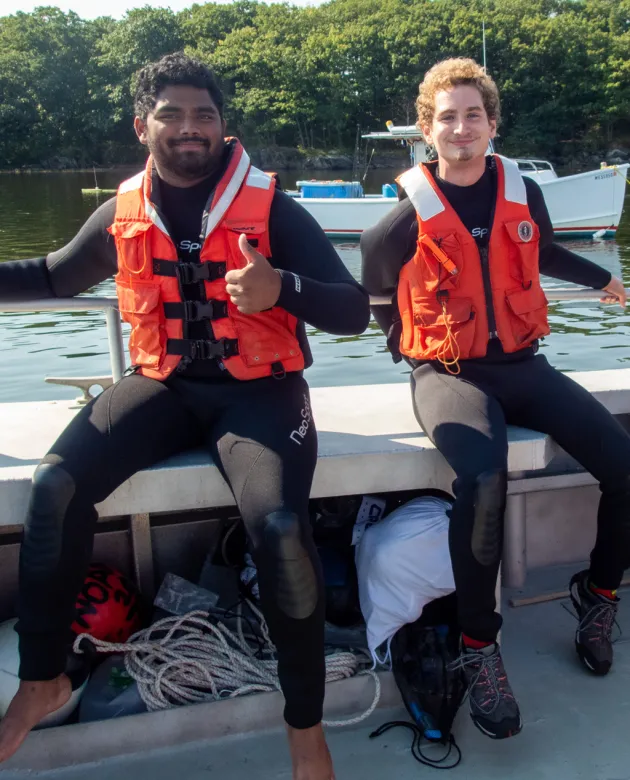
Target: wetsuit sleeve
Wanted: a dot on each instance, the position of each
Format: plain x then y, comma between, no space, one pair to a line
556,260
24,280
87,260
560,263
316,286
385,248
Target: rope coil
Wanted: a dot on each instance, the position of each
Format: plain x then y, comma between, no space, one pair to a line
190,659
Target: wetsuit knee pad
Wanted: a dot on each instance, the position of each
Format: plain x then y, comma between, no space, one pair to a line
489,507
295,590
52,491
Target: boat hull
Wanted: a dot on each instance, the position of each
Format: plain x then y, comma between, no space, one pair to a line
579,205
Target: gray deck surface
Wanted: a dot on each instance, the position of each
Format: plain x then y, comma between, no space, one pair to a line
576,726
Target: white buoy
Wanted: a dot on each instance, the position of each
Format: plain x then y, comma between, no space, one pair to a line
599,235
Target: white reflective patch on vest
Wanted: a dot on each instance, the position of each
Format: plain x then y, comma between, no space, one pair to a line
421,193
515,190
230,192
258,178
154,216
134,183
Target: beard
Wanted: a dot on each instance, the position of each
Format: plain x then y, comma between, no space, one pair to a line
191,164
464,154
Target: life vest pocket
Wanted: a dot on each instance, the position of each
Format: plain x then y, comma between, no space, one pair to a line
524,237
265,338
437,324
134,248
440,261
527,316
139,305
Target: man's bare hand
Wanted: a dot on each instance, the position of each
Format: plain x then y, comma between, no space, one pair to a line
616,292
257,286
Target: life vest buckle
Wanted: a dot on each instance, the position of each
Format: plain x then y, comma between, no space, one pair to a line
202,349
189,273
194,311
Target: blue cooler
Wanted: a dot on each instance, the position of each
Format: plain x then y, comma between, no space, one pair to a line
389,191
330,189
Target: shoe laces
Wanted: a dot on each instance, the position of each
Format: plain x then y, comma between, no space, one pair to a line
598,621
488,676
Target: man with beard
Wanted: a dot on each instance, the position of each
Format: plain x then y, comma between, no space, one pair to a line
461,258
216,272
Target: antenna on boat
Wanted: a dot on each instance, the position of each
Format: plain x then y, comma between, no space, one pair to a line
483,34
355,159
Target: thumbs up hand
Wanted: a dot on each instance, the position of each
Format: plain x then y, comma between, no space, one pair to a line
255,287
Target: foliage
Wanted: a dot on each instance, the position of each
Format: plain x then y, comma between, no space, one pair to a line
309,77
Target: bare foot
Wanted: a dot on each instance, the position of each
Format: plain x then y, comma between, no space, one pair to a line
32,702
309,754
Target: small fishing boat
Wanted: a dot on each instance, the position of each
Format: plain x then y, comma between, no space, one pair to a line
581,205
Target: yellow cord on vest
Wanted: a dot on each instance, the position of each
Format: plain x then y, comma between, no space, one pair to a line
145,240
449,353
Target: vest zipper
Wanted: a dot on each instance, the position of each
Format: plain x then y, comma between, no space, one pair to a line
487,287
484,252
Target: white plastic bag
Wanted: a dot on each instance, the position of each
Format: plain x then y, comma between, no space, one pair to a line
403,563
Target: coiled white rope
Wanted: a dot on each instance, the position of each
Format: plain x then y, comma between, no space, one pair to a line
189,659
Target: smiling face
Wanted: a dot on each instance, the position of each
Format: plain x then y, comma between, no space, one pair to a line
460,129
185,134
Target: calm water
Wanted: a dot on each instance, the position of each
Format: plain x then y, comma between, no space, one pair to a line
41,212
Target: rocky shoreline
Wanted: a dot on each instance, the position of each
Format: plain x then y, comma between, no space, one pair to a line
270,159
587,160
286,159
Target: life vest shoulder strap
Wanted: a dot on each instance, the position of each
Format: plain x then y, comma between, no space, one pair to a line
425,199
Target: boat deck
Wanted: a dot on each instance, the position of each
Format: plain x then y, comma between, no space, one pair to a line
576,725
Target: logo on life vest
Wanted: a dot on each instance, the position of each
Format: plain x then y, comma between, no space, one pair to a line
525,231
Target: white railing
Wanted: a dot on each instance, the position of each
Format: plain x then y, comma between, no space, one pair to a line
558,294
86,303
114,330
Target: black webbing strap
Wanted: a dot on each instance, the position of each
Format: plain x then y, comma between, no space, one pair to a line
189,273
199,349
194,311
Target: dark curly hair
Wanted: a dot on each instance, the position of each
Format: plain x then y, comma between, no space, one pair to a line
172,70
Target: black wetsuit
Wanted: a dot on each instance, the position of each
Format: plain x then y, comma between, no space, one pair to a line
466,415
249,427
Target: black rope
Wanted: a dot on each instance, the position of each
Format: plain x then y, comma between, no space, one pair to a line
416,746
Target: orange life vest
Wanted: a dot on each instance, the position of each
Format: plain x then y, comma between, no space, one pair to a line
150,280
446,312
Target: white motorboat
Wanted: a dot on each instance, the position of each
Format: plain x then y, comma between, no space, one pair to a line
583,204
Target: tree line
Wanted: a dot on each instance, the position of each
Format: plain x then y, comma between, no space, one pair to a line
309,77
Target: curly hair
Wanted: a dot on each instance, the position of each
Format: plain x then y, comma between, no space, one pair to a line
172,70
451,73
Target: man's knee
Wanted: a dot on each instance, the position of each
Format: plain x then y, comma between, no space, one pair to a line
487,493
52,491
292,575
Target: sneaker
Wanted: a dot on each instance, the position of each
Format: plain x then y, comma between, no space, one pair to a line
597,616
493,708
